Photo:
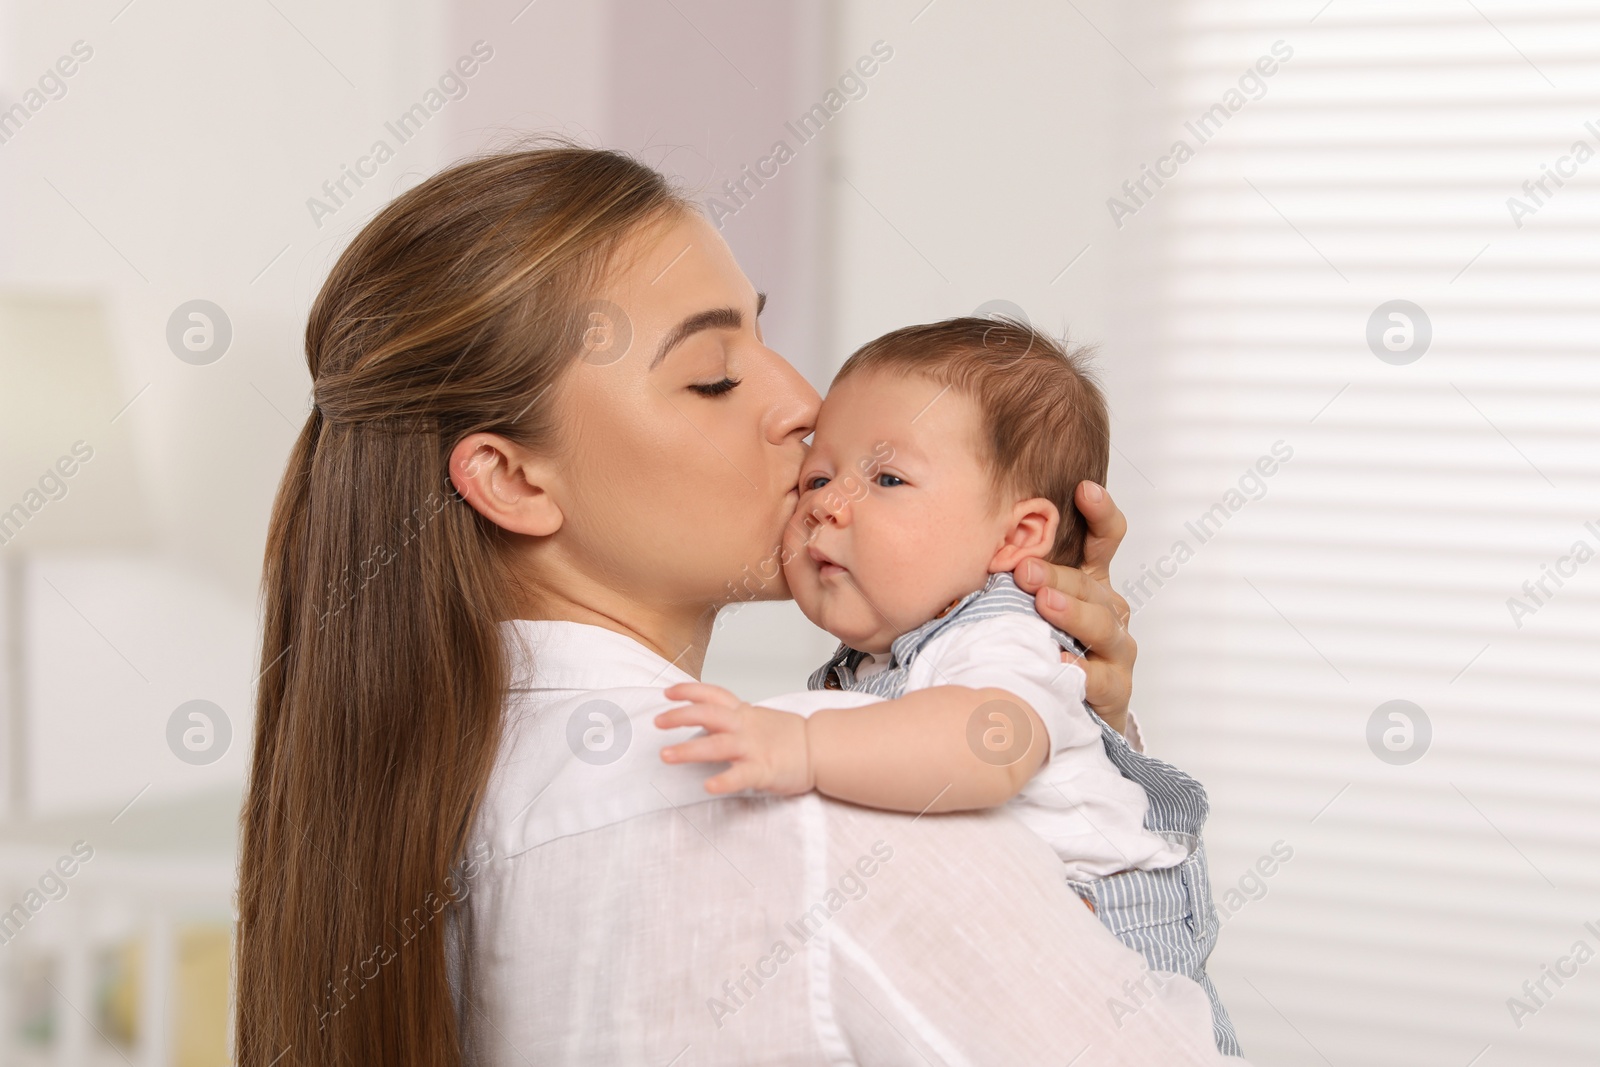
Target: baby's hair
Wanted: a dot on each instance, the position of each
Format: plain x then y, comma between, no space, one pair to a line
1045,424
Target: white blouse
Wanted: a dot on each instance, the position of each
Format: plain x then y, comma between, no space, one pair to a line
628,917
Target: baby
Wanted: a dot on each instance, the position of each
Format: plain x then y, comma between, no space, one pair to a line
944,455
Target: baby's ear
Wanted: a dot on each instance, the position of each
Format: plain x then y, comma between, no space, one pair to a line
1031,532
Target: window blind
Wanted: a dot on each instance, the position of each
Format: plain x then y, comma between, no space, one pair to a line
1432,538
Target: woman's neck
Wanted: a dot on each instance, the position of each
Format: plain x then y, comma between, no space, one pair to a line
677,637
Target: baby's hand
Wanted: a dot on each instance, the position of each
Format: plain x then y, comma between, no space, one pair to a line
767,748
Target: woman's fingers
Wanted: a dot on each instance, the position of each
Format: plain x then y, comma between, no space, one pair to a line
1095,625
1058,585
1107,687
1107,526
1108,667
1119,607
1088,610
1034,574
1082,602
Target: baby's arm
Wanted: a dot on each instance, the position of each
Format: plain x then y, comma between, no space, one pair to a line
943,748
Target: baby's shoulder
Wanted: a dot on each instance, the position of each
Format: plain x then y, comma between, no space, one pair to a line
993,628
997,611
1004,637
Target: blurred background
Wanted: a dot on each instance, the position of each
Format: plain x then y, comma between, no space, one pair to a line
1340,259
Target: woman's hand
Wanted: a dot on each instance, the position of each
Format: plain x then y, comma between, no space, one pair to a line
767,748
1082,602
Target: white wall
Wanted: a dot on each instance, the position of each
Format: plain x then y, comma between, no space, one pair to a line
178,165
977,169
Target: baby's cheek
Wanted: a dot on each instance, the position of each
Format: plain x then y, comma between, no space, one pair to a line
909,590
802,581
852,619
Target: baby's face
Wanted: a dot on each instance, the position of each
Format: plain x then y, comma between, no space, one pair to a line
895,518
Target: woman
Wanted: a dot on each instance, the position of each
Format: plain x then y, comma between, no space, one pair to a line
542,394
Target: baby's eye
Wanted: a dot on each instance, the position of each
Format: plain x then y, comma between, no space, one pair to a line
816,481
889,481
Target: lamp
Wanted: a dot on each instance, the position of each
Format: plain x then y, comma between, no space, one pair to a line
67,471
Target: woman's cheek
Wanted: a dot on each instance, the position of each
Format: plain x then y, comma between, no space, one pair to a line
792,543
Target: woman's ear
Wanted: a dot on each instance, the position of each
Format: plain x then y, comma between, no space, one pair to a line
506,484
1032,532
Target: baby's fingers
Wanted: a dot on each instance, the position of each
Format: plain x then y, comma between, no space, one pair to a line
739,776
717,748
709,716
701,693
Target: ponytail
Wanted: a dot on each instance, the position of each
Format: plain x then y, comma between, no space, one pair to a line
380,697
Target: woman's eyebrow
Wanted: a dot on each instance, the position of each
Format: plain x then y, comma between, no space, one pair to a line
710,319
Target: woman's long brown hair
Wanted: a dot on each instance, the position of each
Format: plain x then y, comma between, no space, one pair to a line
455,310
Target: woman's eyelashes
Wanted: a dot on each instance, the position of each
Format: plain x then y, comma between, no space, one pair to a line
717,388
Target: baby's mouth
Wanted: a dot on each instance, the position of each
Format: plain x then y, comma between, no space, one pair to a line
826,567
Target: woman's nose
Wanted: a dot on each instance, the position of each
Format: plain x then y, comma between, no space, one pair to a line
792,404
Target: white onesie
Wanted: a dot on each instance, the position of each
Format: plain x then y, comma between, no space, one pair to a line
1077,801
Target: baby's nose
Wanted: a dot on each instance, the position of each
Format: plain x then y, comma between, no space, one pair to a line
837,505
823,505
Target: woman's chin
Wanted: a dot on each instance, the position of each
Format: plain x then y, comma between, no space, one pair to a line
778,588
752,585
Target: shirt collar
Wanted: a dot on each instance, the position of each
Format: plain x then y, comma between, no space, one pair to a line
904,648
841,671
558,654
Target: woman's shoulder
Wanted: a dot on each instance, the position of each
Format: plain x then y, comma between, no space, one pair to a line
576,760
573,760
